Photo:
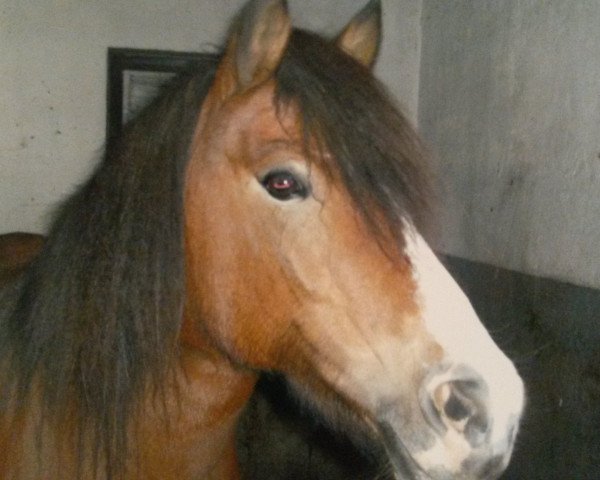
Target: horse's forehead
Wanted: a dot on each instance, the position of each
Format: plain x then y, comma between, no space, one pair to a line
256,117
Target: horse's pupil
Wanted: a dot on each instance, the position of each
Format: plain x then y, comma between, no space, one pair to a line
283,185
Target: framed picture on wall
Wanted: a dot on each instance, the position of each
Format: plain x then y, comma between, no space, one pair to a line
136,76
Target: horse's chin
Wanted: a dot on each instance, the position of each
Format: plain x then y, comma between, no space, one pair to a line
402,462
411,466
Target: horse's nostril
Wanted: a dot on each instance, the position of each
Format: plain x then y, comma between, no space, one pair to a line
456,407
460,404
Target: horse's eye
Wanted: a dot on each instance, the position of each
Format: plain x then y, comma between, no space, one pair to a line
284,185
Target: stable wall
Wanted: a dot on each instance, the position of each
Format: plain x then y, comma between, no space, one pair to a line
53,78
510,104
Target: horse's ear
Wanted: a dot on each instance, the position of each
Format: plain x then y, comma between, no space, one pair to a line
255,45
361,37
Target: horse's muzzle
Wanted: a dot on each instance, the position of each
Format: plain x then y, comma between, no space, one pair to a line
463,428
475,435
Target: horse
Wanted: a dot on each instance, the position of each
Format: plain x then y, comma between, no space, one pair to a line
263,215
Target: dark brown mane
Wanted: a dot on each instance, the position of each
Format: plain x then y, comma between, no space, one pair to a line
350,112
98,314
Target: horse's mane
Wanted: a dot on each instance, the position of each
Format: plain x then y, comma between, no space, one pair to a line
95,321
98,313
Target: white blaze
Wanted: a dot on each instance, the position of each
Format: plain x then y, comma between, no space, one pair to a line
451,320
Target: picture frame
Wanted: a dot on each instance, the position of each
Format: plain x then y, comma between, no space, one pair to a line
135,77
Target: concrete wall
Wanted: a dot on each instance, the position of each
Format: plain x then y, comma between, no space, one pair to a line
510,102
53,78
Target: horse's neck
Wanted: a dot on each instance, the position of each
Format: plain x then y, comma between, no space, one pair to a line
200,439
197,440
202,413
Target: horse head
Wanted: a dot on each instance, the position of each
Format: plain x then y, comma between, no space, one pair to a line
304,197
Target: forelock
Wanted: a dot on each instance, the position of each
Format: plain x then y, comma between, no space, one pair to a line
351,116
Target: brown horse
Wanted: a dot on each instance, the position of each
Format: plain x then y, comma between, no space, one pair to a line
263,215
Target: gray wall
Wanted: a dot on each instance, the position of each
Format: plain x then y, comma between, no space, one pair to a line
510,103
53,78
